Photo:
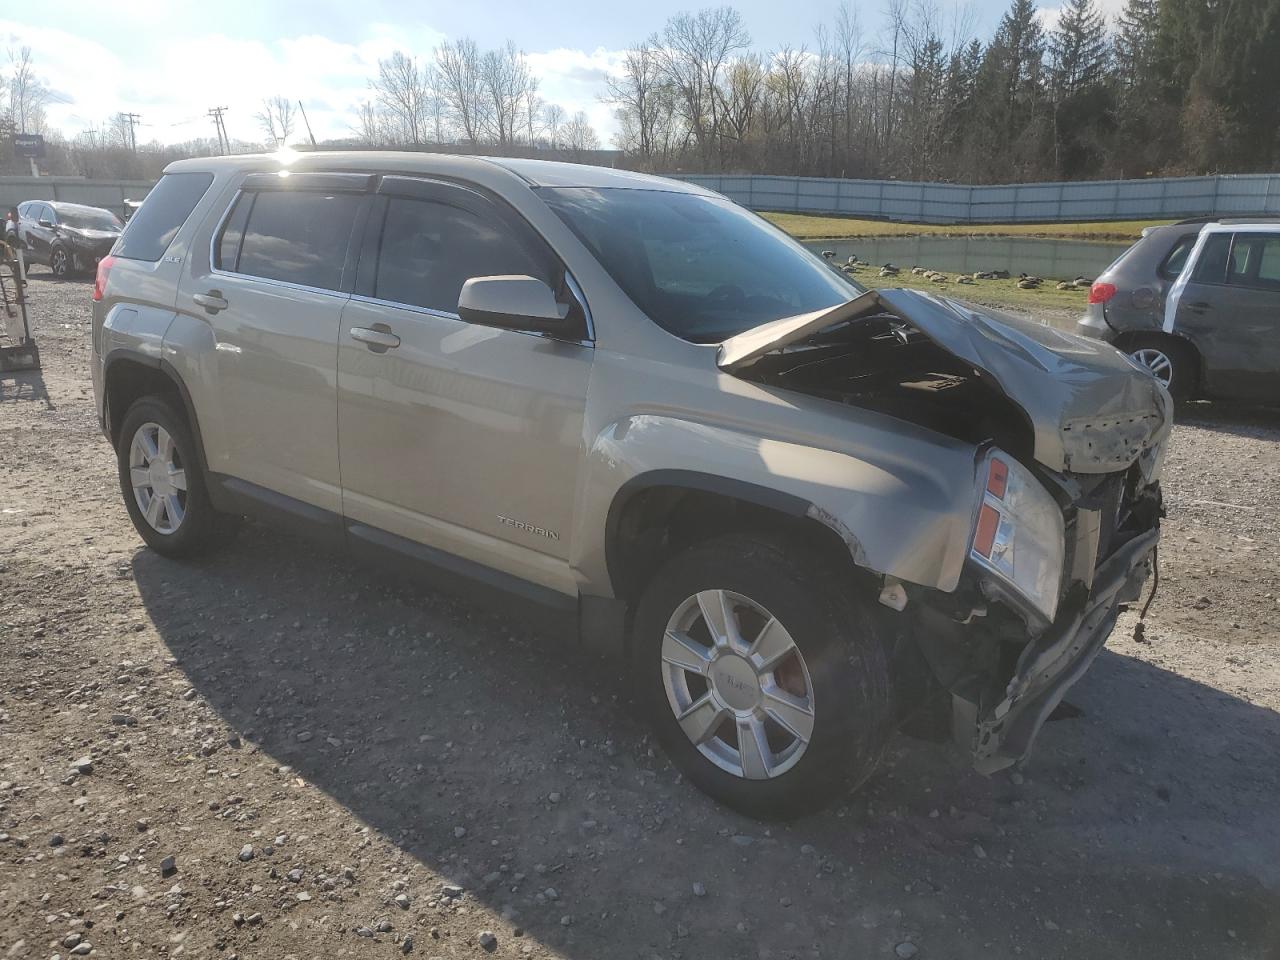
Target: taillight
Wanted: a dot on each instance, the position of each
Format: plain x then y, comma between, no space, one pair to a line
1101,292
100,281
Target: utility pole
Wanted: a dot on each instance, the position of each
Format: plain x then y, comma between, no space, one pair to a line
307,122
224,143
133,119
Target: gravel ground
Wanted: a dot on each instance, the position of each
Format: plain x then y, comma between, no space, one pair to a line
275,753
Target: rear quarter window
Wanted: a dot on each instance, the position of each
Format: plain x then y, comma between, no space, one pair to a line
162,214
1176,258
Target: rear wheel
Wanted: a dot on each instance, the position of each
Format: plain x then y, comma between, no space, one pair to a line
164,488
1169,361
765,679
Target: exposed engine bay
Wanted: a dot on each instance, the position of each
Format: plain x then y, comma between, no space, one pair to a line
879,362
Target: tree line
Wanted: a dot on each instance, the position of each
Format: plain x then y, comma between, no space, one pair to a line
1172,87
1169,87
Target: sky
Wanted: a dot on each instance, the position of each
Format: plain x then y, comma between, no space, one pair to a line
171,61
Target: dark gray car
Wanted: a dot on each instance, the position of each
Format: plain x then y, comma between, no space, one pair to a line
1198,304
66,237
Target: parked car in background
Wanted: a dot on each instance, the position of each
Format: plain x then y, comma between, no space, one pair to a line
1198,304
805,512
68,238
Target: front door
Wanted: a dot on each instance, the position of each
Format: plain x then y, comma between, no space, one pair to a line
273,297
465,438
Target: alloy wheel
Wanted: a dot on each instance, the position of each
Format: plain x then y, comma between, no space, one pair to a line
158,478
59,263
1157,361
737,684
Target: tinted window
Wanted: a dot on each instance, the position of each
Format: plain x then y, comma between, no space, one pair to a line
429,250
1212,265
299,237
228,254
702,267
1177,258
1255,261
162,214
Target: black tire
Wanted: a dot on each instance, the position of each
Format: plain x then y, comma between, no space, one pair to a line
839,642
1184,368
202,528
61,262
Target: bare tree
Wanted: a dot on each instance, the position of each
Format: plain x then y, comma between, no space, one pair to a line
277,118
507,85
28,96
405,90
637,93
580,136
368,126
694,52
462,86
554,121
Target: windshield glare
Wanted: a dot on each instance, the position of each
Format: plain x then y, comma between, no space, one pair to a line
701,267
89,219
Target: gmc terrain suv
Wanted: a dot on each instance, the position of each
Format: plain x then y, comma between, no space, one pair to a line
806,512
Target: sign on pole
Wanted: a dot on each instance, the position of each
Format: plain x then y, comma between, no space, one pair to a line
28,145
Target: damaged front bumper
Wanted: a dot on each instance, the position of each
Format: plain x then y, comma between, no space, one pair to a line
1054,661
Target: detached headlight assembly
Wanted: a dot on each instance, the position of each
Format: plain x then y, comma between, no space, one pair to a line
1019,534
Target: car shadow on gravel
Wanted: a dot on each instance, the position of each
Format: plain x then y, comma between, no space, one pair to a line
507,762
1240,419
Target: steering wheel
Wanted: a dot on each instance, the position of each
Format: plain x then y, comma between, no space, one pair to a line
728,293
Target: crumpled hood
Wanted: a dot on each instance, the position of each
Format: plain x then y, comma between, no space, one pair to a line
1091,410
93,235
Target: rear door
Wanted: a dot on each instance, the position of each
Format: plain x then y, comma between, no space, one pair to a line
1230,310
280,271
465,438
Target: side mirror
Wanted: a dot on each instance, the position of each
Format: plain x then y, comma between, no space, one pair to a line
44,223
512,303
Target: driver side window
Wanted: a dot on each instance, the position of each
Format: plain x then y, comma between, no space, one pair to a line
430,249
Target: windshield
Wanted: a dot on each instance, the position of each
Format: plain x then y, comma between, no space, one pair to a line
701,267
89,219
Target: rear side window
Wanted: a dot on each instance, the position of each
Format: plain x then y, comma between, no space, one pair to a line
297,237
161,216
1177,257
429,250
1255,261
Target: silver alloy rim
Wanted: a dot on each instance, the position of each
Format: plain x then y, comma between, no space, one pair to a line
59,262
158,478
1157,362
737,684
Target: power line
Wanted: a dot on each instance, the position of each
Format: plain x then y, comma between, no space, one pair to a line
133,119
224,143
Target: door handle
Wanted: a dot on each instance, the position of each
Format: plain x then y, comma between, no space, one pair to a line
212,301
377,338
1200,306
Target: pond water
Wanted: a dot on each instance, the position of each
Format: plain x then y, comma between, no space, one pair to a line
1051,259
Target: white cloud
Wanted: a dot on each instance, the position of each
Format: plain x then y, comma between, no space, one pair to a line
172,81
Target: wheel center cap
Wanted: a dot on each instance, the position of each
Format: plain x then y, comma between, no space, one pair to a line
735,682
158,472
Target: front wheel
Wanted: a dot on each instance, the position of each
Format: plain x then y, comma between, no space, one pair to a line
60,262
764,676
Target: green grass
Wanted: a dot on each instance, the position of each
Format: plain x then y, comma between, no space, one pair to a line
807,227
994,293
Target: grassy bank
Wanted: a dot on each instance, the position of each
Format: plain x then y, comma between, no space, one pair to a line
1003,294
808,227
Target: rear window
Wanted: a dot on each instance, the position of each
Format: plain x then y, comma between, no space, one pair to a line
296,237
161,216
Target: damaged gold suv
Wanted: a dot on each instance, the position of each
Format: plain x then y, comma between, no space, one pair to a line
804,512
